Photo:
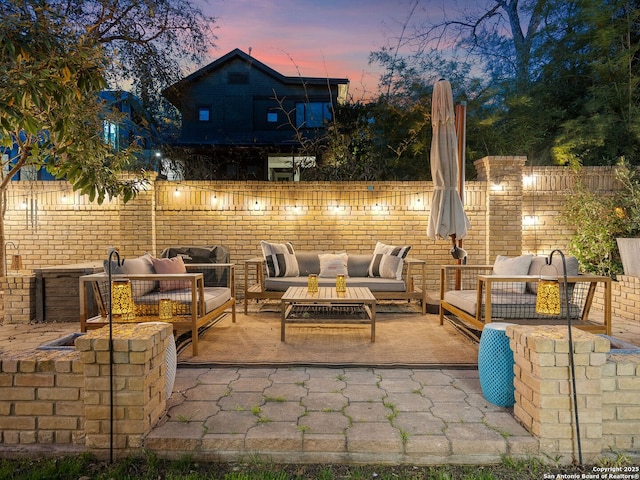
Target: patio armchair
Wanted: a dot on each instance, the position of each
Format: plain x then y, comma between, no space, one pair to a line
476,296
190,303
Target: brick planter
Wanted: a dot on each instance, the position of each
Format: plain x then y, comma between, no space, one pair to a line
607,385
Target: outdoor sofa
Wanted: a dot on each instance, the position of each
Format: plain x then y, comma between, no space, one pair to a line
507,291
387,271
199,293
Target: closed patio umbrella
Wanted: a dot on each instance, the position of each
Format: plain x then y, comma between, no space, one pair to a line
447,218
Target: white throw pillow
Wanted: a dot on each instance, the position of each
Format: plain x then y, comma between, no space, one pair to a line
333,264
281,259
512,266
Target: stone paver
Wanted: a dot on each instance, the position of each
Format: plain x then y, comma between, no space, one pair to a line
338,415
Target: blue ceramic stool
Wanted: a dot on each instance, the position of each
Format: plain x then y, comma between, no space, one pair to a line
495,365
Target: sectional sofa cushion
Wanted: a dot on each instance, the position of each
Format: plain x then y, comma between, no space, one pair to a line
378,284
308,262
358,264
539,268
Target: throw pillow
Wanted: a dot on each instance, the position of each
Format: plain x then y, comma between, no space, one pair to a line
169,266
539,268
136,266
512,266
389,266
281,259
383,249
332,265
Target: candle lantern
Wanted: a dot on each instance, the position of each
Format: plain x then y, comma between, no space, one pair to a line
312,283
165,309
122,300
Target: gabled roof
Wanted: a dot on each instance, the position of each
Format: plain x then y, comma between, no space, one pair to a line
172,91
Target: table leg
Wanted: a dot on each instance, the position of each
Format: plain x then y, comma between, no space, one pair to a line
373,322
282,319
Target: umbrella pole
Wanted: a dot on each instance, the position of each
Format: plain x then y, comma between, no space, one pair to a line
458,272
461,131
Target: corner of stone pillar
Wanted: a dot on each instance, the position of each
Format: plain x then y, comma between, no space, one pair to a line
138,389
543,392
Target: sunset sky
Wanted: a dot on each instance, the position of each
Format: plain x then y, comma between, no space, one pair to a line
312,38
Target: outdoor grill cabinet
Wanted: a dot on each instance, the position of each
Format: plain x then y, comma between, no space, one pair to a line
475,296
193,303
412,286
57,298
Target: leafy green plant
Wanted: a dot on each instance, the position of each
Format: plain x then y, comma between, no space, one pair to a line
599,218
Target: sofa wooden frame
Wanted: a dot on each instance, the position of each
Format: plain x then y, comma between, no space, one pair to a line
256,268
463,275
197,318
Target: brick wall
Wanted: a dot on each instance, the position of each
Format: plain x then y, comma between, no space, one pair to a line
53,225
607,386
41,399
19,297
62,398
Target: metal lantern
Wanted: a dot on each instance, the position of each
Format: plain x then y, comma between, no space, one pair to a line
122,299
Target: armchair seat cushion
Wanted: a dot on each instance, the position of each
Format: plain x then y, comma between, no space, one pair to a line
214,297
504,304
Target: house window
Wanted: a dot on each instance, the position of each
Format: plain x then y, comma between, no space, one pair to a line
111,134
272,117
204,114
313,114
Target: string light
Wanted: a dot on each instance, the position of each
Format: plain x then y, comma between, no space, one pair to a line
228,199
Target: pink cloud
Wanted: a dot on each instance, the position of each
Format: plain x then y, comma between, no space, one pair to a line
304,37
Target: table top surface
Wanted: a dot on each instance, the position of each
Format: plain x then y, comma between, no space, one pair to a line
328,294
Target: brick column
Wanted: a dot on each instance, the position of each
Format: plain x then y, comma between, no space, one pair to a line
19,298
504,204
543,389
139,384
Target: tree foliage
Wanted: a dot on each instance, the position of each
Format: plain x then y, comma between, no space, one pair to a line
50,115
150,42
554,80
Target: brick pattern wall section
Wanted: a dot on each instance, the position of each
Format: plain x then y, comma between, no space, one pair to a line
52,225
503,221
543,389
19,298
620,408
139,372
41,398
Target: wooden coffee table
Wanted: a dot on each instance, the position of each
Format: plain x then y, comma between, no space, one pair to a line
327,296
